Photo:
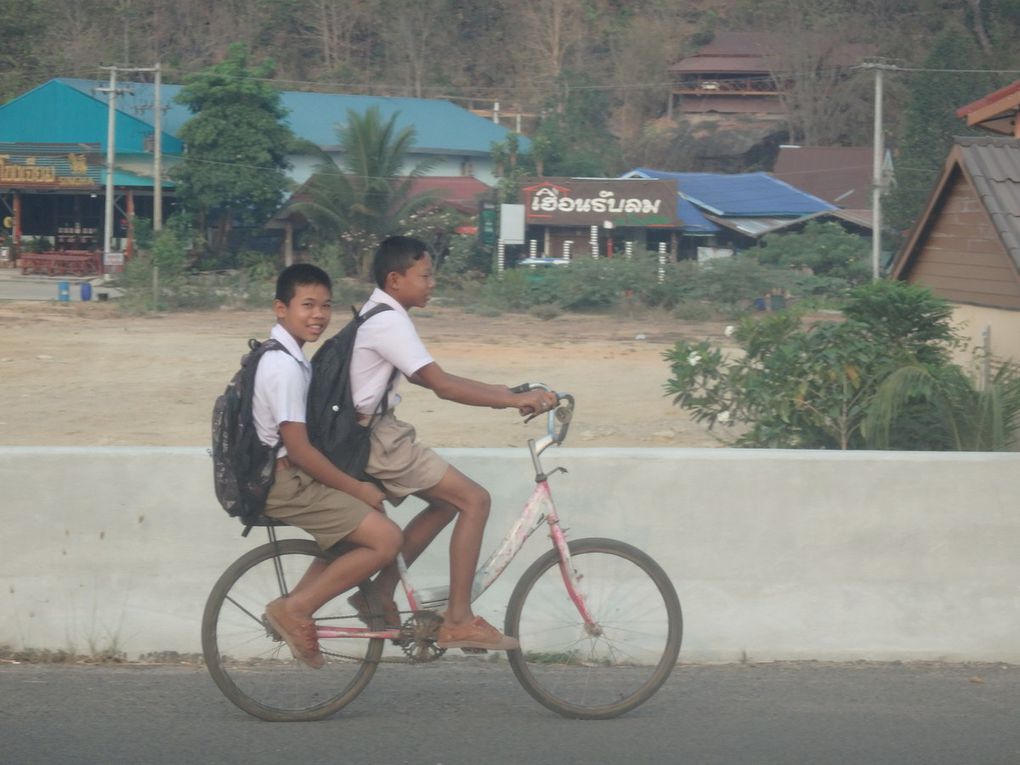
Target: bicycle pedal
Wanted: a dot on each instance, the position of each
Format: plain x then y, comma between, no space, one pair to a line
475,650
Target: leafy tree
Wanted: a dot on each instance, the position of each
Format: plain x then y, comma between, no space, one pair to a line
797,386
24,29
237,142
576,141
930,122
827,249
369,197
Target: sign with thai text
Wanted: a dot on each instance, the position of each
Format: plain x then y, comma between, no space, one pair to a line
49,166
597,202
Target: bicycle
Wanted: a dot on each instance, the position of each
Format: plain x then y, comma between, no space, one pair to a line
599,622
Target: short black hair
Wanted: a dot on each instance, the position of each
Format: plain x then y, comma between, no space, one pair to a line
299,275
396,253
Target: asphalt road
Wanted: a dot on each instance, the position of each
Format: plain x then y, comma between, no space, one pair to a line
472,712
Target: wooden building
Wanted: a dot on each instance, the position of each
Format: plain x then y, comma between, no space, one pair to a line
965,245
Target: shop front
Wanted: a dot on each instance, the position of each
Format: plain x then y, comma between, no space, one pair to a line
52,208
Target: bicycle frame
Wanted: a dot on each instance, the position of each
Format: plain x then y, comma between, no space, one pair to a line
538,509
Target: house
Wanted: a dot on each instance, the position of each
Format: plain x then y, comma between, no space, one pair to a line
732,74
841,175
733,211
44,193
750,73
965,246
996,112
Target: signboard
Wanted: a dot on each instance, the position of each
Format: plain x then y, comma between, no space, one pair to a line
633,202
511,224
487,224
49,166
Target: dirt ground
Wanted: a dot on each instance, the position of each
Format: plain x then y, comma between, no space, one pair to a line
85,374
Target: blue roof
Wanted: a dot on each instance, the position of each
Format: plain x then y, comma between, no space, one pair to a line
740,194
441,127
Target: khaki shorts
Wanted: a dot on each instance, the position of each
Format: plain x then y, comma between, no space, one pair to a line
299,500
399,463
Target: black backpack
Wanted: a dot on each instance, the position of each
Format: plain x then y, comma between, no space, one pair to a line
332,421
243,467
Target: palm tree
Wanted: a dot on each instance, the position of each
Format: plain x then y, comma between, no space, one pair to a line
941,407
368,198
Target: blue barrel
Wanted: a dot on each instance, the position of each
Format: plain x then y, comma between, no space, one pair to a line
86,290
63,291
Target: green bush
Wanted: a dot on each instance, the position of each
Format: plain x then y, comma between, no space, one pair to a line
800,386
824,249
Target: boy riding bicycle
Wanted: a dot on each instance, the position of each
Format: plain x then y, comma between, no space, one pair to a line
402,269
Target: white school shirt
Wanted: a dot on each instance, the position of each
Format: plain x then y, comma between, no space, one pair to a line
281,388
386,341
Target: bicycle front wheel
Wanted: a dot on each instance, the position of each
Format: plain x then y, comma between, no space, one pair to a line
254,668
608,668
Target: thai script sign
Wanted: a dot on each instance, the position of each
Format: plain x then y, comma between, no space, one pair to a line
619,201
51,166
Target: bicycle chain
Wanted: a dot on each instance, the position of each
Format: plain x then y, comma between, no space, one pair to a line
416,640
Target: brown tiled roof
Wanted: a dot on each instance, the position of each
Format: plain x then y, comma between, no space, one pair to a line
461,192
992,165
838,174
761,52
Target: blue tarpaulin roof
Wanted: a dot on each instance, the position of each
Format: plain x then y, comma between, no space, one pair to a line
739,194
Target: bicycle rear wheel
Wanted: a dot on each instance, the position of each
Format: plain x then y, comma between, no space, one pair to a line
254,669
603,672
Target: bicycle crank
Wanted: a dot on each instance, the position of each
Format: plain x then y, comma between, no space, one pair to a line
418,637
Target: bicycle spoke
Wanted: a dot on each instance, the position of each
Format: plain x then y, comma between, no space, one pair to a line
580,674
253,668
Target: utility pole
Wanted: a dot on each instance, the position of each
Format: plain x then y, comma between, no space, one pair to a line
878,65
111,91
157,154
111,157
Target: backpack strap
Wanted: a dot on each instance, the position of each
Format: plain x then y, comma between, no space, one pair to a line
384,402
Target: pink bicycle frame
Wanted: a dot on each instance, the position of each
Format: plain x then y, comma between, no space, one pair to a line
538,508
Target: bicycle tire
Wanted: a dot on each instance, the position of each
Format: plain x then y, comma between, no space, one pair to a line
255,670
595,676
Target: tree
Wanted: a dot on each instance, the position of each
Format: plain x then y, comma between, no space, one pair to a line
813,386
237,142
930,122
957,413
24,29
369,197
827,249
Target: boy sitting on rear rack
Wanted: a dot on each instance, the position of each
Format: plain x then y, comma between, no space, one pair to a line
309,492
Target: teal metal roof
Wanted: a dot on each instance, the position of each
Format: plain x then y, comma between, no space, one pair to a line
441,127
56,112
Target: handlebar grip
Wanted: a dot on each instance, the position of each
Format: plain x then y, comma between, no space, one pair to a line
522,388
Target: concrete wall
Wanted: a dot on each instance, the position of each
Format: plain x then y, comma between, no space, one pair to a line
775,554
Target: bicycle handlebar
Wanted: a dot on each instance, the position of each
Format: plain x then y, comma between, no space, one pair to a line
562,413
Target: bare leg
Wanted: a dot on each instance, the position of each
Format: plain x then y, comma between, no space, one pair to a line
472,503
418,534
378,540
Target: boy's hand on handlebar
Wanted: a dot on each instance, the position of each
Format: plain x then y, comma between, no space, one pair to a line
535,402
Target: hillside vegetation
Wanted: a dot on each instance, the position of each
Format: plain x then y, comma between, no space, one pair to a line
601,63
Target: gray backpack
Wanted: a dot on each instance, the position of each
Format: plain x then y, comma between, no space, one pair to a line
243,467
